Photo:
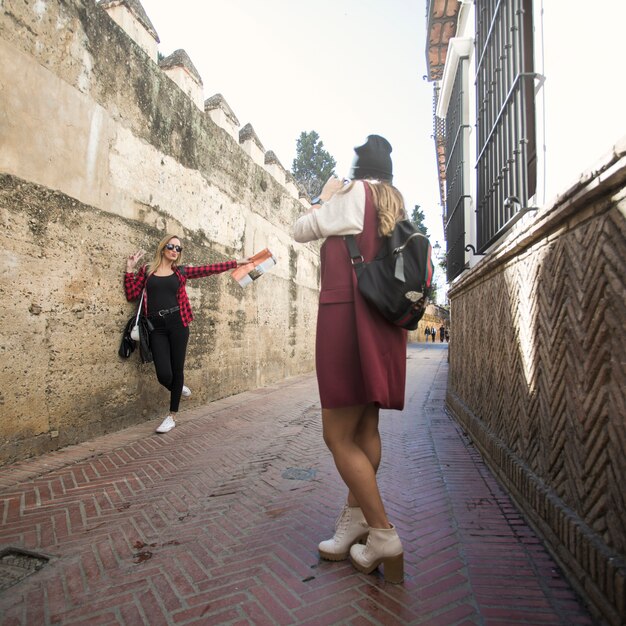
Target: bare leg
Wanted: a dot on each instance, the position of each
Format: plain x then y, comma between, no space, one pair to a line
368,439
341,429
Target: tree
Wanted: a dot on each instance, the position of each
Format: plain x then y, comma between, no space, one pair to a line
418,218
313,165
432,296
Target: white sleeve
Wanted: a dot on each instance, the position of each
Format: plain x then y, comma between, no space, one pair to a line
343,214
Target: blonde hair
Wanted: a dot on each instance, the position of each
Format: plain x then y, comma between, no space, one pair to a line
158,255
389,204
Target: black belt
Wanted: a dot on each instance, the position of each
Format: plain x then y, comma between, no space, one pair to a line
164,312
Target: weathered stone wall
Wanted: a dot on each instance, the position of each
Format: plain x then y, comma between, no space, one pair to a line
101,154
433,316
540,384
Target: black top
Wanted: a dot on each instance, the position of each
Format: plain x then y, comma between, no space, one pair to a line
161,292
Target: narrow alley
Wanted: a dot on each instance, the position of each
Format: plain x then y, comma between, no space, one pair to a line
218,521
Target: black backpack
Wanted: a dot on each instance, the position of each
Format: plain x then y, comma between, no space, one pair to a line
398,280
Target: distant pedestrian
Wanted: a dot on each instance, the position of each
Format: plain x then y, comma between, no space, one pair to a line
433,333
442,333
427,333
447,335
166,305
360,357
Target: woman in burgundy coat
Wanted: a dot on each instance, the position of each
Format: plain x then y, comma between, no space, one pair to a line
360,357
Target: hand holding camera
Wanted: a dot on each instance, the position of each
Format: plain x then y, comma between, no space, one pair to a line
331,187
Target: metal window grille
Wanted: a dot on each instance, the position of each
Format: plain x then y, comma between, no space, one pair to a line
439,135
505,125
457,130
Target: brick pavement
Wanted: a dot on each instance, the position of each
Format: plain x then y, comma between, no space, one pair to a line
217,522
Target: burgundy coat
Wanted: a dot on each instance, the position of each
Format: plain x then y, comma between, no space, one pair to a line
360,357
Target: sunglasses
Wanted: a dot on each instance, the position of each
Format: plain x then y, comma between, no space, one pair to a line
171,246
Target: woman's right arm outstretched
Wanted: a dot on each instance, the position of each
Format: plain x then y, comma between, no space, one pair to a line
134,283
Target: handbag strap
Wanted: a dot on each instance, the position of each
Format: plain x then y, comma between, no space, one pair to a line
139,307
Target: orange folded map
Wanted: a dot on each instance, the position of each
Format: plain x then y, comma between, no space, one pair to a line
261,262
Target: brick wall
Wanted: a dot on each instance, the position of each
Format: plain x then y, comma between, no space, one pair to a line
540,384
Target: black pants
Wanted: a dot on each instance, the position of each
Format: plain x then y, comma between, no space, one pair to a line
168,342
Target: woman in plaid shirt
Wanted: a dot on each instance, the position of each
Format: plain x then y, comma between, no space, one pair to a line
167,306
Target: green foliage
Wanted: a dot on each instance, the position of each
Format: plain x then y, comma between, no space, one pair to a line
418,218
313,165
432,296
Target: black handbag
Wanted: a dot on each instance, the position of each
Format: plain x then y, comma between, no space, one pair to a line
398,280
145,328
128,344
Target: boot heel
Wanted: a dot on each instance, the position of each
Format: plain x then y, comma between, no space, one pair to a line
393,569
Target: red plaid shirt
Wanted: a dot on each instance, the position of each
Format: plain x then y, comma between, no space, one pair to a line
134,284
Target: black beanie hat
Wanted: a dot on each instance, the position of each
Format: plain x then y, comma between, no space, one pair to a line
373,159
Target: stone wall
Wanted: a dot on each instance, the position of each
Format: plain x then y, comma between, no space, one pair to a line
540,383
101,153
434,315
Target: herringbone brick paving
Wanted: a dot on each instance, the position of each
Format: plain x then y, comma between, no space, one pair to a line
217,522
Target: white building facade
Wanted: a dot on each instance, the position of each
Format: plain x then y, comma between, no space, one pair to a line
530,139
529,95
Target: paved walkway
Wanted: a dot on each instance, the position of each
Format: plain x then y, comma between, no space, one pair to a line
217,522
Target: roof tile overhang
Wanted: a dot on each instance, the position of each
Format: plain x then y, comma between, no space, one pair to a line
442,21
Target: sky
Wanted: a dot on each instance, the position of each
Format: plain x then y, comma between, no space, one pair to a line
344,68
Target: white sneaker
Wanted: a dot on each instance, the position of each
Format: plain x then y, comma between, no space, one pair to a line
166,425
186,392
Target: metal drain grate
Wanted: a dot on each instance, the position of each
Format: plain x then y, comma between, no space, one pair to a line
15,565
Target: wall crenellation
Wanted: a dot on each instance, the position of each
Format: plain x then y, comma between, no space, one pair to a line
132,18
221,113
181,70
101,153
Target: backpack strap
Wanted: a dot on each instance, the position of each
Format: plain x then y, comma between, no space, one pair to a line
353,249
357,258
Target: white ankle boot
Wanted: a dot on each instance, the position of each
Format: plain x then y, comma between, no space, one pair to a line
383,546
350,527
